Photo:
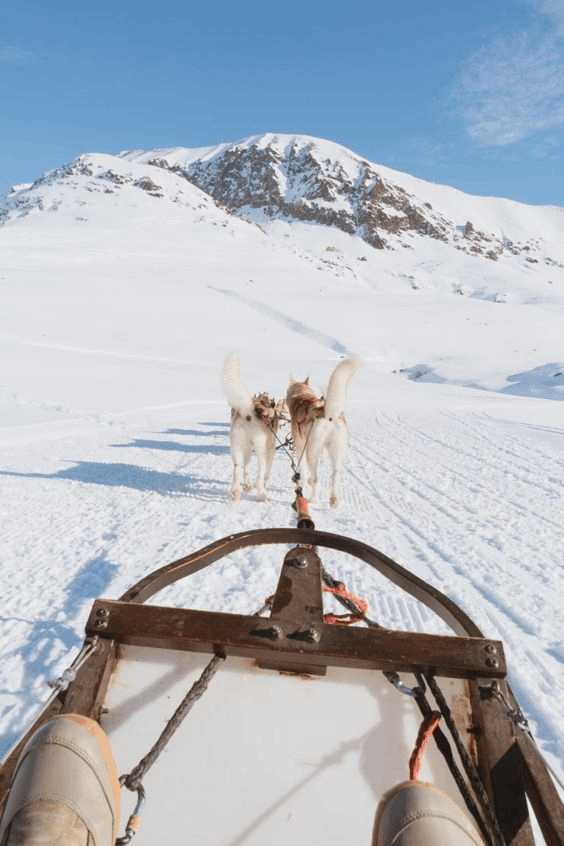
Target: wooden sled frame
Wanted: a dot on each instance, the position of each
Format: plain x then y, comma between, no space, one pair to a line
295,638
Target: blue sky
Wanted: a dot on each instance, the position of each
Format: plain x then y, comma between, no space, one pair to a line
466,94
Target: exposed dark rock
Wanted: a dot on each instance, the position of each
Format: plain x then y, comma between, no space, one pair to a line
301,186
147,184
294,181
118,178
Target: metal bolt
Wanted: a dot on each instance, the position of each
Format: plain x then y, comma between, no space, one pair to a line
492,662
313,635
272,633
298,561
490,648
102,612
101,624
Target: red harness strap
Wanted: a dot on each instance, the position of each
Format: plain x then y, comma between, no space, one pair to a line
350,618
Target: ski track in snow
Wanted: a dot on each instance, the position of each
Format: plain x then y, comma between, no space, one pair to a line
291,323
466,502
463,484
87,351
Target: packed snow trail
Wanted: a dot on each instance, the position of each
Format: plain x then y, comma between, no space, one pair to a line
467,500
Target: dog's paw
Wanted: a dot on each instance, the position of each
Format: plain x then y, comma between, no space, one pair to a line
261,497
333,501
234,496
248,486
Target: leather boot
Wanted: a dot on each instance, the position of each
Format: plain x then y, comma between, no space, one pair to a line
65,790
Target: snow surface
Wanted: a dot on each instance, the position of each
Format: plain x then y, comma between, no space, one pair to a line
116,314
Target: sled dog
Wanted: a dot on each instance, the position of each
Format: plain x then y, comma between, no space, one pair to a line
319,424
254,423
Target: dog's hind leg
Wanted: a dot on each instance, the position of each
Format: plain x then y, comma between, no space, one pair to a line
235,493
314,486
264,460
337,455
334,496
241,470
269,453
313,457
248,476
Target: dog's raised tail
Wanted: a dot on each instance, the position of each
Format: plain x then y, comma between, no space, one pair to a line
237,395
337,388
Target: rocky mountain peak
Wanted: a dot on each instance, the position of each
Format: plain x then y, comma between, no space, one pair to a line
299,179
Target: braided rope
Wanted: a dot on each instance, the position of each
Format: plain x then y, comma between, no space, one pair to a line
426,729
133,779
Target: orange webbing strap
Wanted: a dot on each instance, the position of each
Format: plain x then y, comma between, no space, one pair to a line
301,506
345,619
426,730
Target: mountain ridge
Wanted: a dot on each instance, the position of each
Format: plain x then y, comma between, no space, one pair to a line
313,180
302,179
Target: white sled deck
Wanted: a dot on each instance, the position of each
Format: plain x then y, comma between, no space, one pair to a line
264,756
288,725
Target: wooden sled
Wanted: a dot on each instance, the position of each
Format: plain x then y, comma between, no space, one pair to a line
307,721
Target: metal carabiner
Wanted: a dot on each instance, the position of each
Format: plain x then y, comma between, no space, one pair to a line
399,685
135,818
514,714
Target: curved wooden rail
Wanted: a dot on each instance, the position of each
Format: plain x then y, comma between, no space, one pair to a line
440,604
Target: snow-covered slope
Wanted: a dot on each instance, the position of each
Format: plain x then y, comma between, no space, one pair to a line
296,177
123,285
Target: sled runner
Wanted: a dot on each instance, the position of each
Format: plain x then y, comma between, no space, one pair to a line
292,722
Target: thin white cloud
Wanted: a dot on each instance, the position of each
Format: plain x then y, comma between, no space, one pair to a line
549,148
12,54
513,89
553,9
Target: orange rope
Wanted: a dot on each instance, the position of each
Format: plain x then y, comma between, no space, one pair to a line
345,619
426,730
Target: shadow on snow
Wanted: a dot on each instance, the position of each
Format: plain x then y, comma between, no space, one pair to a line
120,475
48,640
174,446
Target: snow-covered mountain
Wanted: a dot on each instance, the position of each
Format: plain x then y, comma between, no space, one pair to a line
307,179
311,209
295,178
125,280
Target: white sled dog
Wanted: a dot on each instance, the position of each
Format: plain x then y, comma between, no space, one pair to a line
254,423
319,424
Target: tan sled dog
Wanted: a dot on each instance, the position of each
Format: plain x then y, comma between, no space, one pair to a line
254,423
319,424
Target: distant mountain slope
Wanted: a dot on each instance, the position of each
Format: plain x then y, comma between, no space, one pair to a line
298,182
300,178
95,184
